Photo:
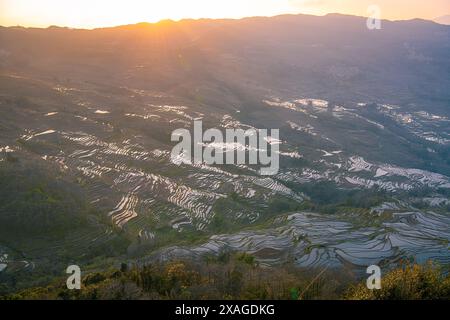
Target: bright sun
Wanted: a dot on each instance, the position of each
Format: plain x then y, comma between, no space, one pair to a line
97,13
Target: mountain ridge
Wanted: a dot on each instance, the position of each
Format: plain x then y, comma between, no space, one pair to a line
445,20
250,18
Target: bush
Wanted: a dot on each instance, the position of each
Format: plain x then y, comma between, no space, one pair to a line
411,282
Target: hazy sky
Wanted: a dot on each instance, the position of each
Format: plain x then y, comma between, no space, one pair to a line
96,13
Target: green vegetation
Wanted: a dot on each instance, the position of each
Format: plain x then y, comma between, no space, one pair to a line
34,204
238,276
327,195
228,276
46,219
234,203
411,282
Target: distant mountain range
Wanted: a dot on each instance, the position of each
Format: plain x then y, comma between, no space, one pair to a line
443,20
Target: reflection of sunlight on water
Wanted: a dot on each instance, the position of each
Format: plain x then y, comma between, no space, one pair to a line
6,149
31,136
3,259
319,239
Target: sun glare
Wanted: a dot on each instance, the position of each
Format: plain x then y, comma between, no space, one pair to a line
100,13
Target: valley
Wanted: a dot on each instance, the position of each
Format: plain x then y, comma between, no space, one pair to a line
85,144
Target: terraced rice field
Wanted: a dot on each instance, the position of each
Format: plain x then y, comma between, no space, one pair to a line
122,160
314,240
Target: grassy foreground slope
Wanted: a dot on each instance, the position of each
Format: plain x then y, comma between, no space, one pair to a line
240,277
46,224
